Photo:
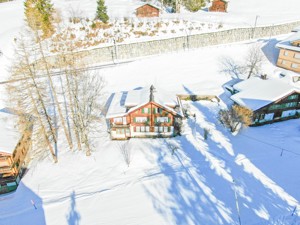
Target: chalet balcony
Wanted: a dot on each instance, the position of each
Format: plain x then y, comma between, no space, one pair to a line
6,170
5,162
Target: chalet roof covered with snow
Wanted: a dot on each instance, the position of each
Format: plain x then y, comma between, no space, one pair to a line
9,134
125,102
256,93
287,43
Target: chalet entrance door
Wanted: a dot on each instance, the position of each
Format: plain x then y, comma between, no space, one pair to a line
127,132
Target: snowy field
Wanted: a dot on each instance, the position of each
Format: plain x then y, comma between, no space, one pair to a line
192,186
195,185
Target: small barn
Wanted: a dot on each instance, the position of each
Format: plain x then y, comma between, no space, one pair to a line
147,10
218,6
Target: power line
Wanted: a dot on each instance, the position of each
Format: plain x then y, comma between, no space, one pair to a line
274,146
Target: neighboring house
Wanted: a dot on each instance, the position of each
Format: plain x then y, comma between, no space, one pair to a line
219,6
147,10
289,53
270,100
147,112
13,149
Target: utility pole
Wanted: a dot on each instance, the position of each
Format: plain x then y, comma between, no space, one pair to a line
253,30
237,203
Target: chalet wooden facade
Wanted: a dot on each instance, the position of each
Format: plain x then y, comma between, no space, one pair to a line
289,53
149,117
218,6
287,107
147,10
270,100
13,151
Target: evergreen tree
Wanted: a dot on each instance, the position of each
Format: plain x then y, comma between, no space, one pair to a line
101,13
39,15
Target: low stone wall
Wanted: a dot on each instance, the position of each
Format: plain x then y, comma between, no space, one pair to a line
155,47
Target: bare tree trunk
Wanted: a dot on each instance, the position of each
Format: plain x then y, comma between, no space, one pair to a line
62,119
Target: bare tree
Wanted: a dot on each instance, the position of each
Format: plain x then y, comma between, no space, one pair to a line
235,117
231,67
125,151
46,68
254,60
28,95
87,91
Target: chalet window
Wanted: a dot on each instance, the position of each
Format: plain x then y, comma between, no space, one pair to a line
294,65
286,53
137,129
145,110
297,56
118,120
283,62
143,129
147,129
290,104
162,119
120,131
291,97
155,129
140,119
166,129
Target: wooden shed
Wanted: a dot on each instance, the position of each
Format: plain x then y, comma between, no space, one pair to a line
147,10
218,6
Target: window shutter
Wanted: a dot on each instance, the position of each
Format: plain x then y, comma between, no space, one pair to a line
142,110
134,120
169,119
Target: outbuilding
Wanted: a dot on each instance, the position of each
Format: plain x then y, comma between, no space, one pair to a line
219,6
147,10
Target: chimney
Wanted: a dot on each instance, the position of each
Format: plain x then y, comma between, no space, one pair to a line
152,89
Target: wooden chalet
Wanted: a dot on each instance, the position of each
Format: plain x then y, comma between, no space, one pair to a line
271,100
289,53
147,112
219,6
13,149
147,10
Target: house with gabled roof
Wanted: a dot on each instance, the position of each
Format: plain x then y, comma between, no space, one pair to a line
145,112
271,100
147,10
289,53
14,146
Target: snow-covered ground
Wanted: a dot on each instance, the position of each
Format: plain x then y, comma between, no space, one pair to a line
192,186
195,184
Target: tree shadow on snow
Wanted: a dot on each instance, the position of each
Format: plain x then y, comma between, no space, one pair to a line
198,183
73,217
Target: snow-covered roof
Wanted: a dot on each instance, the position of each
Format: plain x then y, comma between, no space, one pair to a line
256,93
125,102
9,134
287,43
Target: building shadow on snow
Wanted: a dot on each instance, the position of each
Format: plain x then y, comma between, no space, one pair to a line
22,207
